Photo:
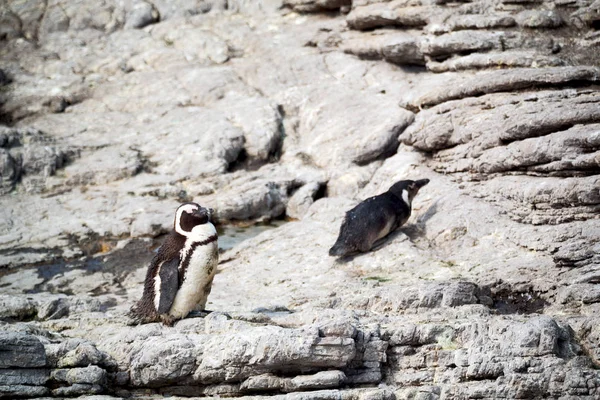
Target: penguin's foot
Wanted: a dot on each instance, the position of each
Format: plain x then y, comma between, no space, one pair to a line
198,313
167,319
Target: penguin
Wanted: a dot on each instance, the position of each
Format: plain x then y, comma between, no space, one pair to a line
376,217
180,275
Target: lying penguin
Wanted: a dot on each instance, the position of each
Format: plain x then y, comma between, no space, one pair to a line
376,217
180,275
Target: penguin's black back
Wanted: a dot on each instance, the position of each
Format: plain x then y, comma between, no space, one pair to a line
145,310
364,224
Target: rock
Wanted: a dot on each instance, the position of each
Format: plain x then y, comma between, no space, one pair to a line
54,20
53,309
302,199
140,15
9,170
25,391
316,5
160,361
180,8
77,389
505,59
230,355
339,328
263,136
507,80
461,42
255,199
318,381
92,375
473,21
391,46
17,308
360,147
18,377
394,13
539,19
81,354
29,154
21,350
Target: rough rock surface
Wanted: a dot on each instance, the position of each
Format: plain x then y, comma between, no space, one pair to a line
285,114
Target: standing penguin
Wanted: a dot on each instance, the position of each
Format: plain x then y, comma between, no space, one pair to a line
180,275
376,217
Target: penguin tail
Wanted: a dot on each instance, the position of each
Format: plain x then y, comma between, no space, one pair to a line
137,315
336,250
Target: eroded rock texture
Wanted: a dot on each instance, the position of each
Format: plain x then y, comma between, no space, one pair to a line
112,113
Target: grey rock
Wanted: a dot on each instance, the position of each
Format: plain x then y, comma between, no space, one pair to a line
21,350
54,20
302,199
81,354
507,80
11,24
181,8
539,19
473,21
394,13
53,309
260,121
318,381
30,155
140,14
18,308
159,361
29,14
92,375
77,389
223,355
339,328
394,47
249,200
384,118
316,5
24,391
507,59
461,42
9,172
24,376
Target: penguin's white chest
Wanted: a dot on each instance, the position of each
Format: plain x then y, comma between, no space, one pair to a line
197,282
195,287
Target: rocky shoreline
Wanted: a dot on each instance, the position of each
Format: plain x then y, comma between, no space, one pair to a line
113,113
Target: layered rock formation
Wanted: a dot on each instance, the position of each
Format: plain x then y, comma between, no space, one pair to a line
114,113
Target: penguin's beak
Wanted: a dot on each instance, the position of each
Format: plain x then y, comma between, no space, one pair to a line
202,213
421,182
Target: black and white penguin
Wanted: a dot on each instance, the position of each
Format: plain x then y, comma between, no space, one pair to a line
376,217
180,275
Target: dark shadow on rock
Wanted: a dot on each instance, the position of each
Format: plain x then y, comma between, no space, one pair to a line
418,229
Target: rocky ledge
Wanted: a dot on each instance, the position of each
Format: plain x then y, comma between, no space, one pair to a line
281,115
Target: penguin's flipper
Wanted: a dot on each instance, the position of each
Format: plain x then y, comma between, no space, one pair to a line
169,284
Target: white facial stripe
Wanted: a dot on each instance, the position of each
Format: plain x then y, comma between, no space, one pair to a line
189,208
405,197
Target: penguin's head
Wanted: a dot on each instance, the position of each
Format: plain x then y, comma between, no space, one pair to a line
190,215
407,190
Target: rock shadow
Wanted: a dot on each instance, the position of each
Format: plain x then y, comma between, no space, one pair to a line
418,229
